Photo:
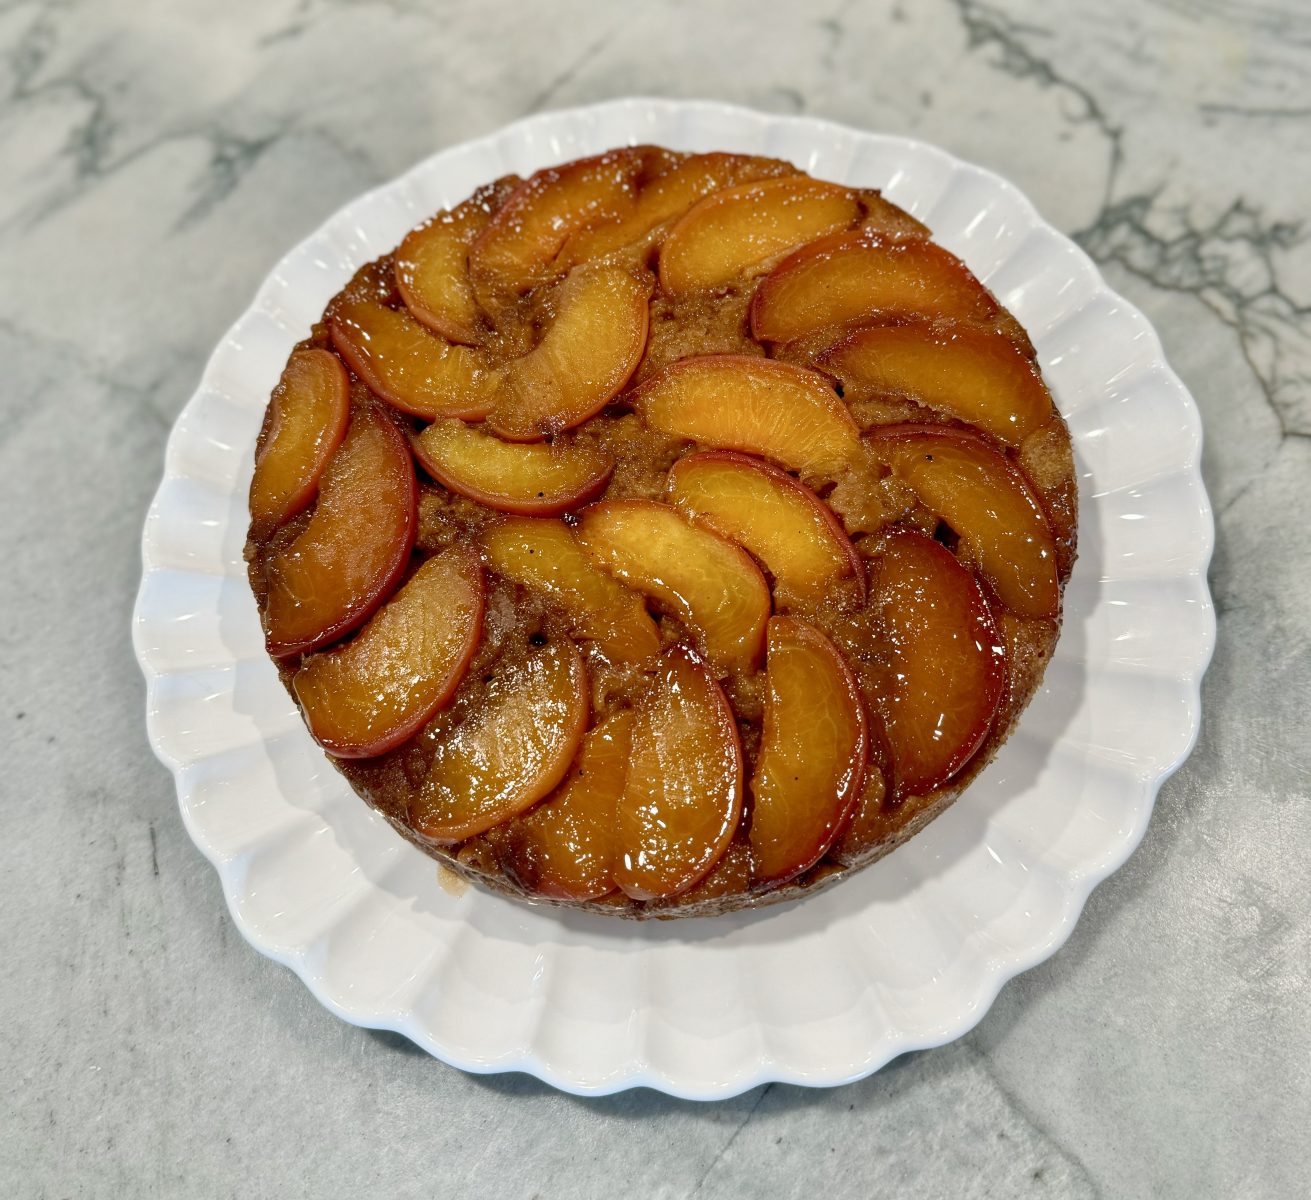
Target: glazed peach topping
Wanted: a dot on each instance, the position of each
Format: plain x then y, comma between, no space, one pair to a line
662,523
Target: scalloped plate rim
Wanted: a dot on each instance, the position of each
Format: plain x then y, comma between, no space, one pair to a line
1078,882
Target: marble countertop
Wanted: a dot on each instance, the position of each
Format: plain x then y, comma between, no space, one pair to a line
157,157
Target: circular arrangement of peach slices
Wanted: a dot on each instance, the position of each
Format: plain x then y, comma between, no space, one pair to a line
782,559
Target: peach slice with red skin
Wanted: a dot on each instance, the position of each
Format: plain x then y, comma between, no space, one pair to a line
356,546
737,402
431,267
509,748
860,274
524,237
782,522
379,689
976,375
709,582
682,799
947,667
586,356
565,847
723,236
672,194
813,751
987,502
307,420
546,556
538,479
410,367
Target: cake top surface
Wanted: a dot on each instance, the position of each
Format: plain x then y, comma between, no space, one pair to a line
662,533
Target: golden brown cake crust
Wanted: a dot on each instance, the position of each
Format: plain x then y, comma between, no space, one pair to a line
710,321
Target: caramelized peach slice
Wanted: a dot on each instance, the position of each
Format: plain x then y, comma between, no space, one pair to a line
782,522
410,367
584,359
351,555
509,748
432,270
517,247
669,196
857,275
536,480
546,556
566,846
708,581
375,692
736,402
987,502
947,661
307,420
733,230
682,799
974,374
813,751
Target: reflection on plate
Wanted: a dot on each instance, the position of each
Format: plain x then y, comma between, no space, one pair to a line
909,953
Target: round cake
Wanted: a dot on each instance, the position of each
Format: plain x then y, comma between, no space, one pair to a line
663,534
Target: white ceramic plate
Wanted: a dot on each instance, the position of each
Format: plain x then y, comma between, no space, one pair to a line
909,953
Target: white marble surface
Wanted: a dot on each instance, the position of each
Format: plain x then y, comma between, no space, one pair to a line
156,158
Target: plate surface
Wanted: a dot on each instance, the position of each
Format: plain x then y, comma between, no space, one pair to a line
908,954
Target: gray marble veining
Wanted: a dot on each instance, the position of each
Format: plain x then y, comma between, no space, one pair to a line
157,157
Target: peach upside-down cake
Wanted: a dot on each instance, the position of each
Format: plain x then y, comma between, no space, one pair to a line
662,534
